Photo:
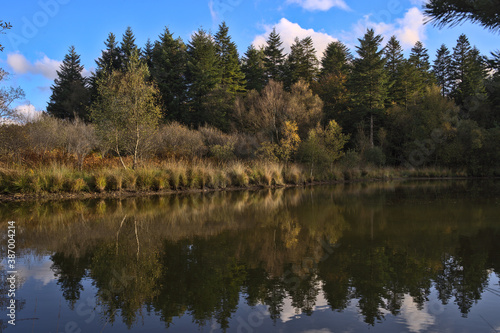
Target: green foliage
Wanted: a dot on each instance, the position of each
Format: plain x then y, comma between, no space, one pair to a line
70,95
253,68
374,156
168,68
453,12
126,111
274,57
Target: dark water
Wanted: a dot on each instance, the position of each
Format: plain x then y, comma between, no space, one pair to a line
392,257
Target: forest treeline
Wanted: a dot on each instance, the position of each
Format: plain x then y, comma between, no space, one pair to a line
201,99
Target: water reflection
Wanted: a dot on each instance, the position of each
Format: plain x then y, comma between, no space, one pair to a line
393,250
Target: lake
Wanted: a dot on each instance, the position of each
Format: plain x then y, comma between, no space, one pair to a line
413,256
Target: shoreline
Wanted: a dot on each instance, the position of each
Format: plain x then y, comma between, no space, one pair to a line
46,196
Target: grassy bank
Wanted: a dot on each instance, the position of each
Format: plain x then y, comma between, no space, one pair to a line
185,176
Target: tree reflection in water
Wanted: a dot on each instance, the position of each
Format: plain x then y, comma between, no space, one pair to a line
198,254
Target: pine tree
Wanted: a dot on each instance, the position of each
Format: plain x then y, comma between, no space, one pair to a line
127,47
147,53
302,62
274,57
110,58
332,82
442,69
203,75
254,69
168,69
70,96
459,61
232,78
369,79
336,59
419,58
109,61
394,61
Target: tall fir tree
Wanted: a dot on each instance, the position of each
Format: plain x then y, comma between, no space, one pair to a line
147,54
70,95
442,69
274,57
254,68
336,59
332,83
394,61
232,78
109,61
203,76
419,58
368,80
459,63
127,47
302,63
168,70
110,58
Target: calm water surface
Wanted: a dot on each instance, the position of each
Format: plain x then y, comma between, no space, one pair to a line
392,257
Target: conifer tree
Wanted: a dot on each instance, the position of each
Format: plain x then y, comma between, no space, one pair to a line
302,62
70,96
332,82
442,69
232,78
203,75
147,53
254,69
468,68
168,69
394,61
110,58
274,57
127,47
336,59
419,58
369,79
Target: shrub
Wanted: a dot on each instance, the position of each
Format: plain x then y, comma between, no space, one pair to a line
374,156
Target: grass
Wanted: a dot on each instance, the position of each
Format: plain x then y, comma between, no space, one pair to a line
191,175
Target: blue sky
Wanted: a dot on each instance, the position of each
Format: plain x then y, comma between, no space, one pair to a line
43,30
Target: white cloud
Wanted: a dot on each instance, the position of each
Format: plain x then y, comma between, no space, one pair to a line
289,30
46,67
27,112
416,320
322,5
408,29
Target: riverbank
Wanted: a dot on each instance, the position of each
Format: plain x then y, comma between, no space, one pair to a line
61,182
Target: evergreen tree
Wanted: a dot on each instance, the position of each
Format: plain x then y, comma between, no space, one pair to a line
442,69
459,61
274,57
302,62
110,58
70,96
109,61
127,47
419,58
369,79
147,54
452,12
336,59
469,71
203,75
254,69
232,78
168,69
394,61
332,83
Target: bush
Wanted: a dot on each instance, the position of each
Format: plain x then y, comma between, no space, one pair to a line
374,156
